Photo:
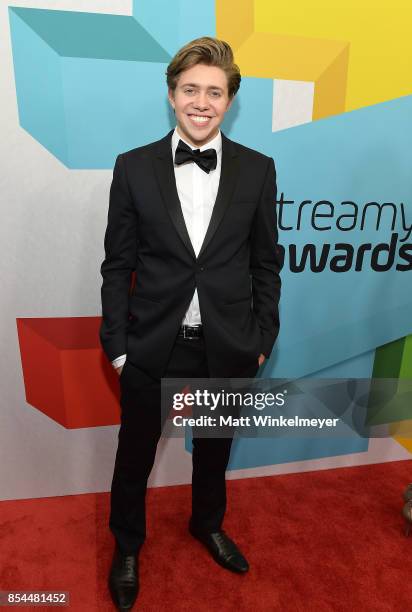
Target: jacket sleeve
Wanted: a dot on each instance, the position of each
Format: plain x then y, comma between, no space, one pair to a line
265,262
120,245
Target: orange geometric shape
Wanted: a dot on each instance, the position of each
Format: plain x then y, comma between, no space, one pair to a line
235,30
323,62
66,375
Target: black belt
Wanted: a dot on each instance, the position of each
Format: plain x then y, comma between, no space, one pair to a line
191,331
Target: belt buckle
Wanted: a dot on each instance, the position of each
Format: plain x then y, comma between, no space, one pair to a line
186,330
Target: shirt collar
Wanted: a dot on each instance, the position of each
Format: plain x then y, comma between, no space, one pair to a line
215,143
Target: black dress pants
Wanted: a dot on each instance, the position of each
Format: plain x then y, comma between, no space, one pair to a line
140,430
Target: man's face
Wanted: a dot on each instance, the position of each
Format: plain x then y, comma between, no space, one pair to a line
200,100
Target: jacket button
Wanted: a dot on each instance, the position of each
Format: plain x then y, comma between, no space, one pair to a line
201,268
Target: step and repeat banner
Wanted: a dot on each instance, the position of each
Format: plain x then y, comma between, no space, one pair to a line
85,80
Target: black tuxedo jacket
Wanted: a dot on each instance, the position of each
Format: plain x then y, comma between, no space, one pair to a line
236,272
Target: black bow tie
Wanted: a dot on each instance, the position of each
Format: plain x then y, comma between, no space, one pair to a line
207,160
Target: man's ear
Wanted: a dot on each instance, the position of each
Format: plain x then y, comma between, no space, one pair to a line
170,95
229,104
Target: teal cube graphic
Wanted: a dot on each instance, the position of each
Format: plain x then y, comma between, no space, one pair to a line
84,81
173,24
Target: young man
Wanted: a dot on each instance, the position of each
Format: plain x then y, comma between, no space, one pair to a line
194,215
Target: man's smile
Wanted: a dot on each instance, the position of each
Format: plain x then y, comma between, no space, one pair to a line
199,119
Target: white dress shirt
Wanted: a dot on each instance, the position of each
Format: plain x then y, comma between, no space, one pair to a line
197,192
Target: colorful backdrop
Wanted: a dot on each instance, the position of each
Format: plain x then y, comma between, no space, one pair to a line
326,93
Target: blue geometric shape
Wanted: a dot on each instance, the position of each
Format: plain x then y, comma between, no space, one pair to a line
85,110
251,453
249,120
362,156
360,366
173,24
38,78
102,121
258,452
94,35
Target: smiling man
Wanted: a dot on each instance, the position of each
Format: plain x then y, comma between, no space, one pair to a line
200,101
193,214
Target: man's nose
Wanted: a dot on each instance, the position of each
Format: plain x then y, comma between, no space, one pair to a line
201,101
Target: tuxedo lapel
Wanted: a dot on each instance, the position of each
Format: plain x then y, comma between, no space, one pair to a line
228,177
165,174
164,169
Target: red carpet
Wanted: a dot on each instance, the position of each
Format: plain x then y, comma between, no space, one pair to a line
320,541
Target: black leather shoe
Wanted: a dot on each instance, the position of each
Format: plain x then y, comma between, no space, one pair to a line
124,580
223,550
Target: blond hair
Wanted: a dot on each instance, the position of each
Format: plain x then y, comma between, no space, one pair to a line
205,50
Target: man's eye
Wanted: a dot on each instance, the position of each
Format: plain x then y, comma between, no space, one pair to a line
188,90
216,93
